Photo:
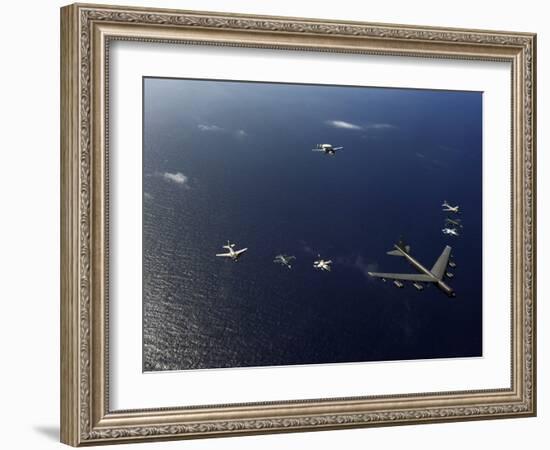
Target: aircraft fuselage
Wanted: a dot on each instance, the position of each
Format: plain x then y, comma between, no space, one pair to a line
439,283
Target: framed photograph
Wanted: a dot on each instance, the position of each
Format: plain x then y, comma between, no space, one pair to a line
276,224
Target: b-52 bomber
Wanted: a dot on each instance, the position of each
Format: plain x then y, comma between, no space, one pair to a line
231,253
327,149
434,275
284,260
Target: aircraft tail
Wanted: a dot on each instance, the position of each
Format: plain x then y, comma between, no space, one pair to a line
404,247
438,270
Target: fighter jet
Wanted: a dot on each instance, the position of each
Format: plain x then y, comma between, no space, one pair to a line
284,260
434,275
327,149
233,254
322,264
449,208
450,231
454,222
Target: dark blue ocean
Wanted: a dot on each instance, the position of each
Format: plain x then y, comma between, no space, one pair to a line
233,160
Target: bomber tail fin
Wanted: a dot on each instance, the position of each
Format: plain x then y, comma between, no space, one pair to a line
402,247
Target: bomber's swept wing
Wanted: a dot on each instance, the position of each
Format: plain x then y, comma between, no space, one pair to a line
238,252
441,264
403,276
227,255
317,150
337,148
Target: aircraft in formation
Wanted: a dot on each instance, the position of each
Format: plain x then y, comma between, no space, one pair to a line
231,253
450,231
327,149
449,208
284,260
451,226
454,222
322,264
435,275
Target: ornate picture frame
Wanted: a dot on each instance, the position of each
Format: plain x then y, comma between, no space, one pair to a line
86,34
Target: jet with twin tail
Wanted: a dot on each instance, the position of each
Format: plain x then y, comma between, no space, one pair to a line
322,264
449,208
450,231
454,222
284,260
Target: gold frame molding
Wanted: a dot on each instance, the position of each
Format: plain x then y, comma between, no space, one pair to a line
86,31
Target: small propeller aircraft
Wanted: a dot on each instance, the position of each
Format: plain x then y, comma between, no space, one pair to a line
327,149
231,253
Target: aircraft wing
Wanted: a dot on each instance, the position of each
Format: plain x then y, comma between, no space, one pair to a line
317,150
226,255
338,148
403,276
441,264
238,252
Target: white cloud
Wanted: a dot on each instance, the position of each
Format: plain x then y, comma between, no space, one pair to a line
379,126
343,124
177,177
352,126
209,127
